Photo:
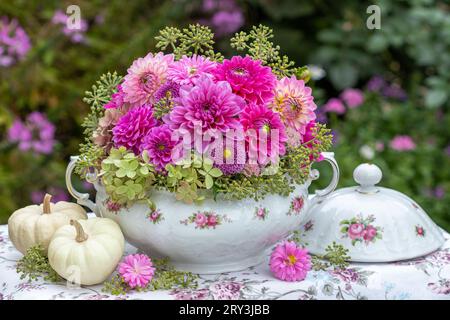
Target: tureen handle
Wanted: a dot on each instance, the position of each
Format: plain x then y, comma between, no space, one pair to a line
329,157
82,198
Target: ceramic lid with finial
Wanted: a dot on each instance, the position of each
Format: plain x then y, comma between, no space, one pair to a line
375,224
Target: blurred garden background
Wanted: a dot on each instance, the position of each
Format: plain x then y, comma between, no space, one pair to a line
384,92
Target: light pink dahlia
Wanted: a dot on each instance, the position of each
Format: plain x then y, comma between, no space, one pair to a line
136,270
248,78
209,105
289,262
188,69
259,124
159,146
131,129
294,102
144,78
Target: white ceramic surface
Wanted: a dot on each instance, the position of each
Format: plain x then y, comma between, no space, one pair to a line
375,224
236,236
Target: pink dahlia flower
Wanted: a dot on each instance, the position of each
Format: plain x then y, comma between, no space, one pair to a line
259,124
308,138
230,157
144,78
116,99
402,143
136,270
295,103
352,97
289,262
159,146
131,129
169,89
334,105
248,78
209,105
188,69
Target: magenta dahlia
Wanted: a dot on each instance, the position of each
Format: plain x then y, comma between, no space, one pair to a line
131,129
264,131
248,78
144,78
295,103
289,262
116,99
169,88
188,69
159,146
209,105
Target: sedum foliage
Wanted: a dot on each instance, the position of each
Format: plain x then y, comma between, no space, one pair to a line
34,265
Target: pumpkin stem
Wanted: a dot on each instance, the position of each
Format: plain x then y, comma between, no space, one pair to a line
81,235
46,203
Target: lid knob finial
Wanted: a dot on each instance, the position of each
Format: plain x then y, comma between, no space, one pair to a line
367,175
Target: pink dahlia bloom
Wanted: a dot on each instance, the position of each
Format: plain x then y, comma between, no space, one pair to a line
169,89
136,270
308,138
132,128
209,105
116,99
248,78
352,97
230,156
188,69
264,143
334,105
295,103
289,262
402,143
144,78
159,146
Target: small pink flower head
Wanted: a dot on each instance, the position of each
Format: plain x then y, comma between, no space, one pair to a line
208,105
402,143
188,69
289,262
309,139
260,124
201,220
352,97
169,89
136,270
295,103
159,145
230,156
132,128
144,78
334,105
248,78
355,230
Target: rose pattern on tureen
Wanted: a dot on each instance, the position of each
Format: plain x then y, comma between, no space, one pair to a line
308,226
155,216
296,205
205,220
420,231
112,206
361,229
261,213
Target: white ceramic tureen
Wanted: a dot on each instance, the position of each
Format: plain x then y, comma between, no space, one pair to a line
375,224
212,237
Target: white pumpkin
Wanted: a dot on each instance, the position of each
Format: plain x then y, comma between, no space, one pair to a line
87,251
36,224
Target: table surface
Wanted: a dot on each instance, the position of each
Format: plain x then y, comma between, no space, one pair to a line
423,278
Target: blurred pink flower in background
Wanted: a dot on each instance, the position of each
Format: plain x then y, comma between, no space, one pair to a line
447,150
35,134
352,97
334,105
379,146
402,143
75,35
375,84
225,16
58,194
14,42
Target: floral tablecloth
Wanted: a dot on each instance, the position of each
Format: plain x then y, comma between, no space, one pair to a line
423,278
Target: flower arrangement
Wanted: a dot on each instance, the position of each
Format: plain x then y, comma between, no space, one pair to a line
197,124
